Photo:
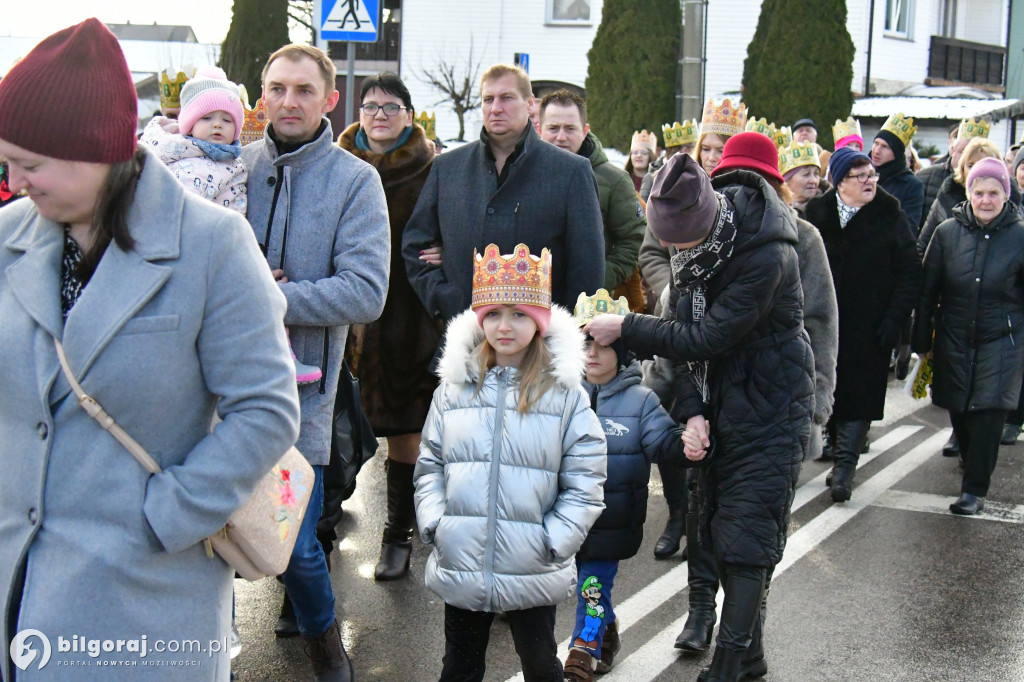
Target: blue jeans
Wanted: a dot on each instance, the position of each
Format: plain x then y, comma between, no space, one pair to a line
307,580
589,632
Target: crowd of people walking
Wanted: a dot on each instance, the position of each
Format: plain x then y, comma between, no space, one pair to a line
532,325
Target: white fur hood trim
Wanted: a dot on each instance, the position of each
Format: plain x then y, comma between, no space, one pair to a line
564,340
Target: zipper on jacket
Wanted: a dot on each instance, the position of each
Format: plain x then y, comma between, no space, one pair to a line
323,361
593,397
1009,323
265,246
492,496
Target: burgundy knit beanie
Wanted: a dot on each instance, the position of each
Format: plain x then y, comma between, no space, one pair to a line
72,98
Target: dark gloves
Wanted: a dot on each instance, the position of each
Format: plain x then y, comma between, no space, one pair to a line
888,335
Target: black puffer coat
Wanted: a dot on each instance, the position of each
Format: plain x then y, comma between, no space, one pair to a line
639,431
950,196
932,178
761,375
973,301
877,274
898,180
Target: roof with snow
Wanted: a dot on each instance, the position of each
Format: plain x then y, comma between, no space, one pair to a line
154,31
941,108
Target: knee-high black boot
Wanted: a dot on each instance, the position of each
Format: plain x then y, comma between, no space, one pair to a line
703,579
396,545
741,623
850,437
675,483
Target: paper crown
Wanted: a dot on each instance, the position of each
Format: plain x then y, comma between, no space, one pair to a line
428,123
783,136
679,134
841,129
760,125
517,279
644,140
723,119
901,126
171,84
589,307
797,154
254,124
970,128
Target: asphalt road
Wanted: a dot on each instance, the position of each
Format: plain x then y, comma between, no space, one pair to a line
889,586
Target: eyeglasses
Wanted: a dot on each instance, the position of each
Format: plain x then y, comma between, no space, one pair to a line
390,109
863,178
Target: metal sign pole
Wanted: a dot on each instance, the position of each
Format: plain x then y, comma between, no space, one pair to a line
350,84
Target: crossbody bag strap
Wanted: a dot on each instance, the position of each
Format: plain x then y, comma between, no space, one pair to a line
95,410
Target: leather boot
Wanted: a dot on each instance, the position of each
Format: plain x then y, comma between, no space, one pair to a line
850,437
286,626
610,645
327,653
668,543
703,579
396,545
740,627
952,446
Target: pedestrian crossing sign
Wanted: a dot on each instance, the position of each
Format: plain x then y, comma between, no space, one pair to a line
350,20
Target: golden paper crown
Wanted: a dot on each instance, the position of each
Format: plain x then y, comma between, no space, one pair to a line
901,126
783,136
589,307
517,279
428,123
255,121
644,140
797,154
723,119
841,129
760,125
171,84
679,134
243,95
970,128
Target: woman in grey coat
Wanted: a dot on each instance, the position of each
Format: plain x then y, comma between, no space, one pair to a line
168,315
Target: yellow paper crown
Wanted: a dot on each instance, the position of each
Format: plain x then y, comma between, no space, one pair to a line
783,136
644,140
679,134
428,123
171,84
589,307
841,129
797,154
971,128
254,124
760,125
723,119
901,126
517,279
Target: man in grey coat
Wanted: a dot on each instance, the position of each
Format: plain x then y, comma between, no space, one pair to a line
506,188
320,215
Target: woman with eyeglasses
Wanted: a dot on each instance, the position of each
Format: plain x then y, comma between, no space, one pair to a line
391,356
877,275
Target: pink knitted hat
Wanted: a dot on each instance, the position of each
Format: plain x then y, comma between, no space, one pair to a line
542,316
209,91
990,168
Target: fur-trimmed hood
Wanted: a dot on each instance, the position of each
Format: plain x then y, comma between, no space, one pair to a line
563,338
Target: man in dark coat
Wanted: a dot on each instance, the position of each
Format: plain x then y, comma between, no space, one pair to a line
508,187
931,177
889,156
877,275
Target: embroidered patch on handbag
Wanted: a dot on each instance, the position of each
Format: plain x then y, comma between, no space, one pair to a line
289,483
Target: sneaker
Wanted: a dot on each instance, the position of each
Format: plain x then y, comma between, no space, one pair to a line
579,667
235,641
1010,433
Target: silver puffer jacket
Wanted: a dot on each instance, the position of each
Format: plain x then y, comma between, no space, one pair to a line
507,498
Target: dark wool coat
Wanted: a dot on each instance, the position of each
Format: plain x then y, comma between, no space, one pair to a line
932,178
898,180
761,375
548,200
973,301
391,356
951,195
639,431
877,274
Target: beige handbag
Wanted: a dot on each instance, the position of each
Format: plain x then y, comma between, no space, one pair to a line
258,539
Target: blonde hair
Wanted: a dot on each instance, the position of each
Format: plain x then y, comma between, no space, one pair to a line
295,52
500,70
980,147
535,377
696,147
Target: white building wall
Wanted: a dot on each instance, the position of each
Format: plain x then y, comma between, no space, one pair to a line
730,27
983,21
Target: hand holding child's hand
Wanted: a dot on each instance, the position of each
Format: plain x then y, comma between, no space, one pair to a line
696,438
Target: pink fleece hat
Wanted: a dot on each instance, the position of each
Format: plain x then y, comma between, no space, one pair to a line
990,168
843,141
542,316
209,91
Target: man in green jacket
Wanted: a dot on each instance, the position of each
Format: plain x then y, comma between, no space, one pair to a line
563,123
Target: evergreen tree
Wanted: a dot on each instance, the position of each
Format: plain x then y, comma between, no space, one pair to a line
258,27
631,80
800,63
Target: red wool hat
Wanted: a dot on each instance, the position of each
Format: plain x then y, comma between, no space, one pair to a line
72,98
750,151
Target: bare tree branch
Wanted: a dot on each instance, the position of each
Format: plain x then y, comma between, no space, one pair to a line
456,81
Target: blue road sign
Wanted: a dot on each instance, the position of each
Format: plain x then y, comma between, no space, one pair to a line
350,20
522,60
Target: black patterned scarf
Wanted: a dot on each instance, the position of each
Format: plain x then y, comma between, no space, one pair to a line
71,281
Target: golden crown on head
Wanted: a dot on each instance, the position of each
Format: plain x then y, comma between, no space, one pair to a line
589,307
841,129
797,154
171,84
783,136
971,128
724,118
254,123
428,123
517,279
760,125
901,126
679,134
644,140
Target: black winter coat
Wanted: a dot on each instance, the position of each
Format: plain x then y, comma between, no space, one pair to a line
877,274
932,178
950,196
761,375
639,431
898,180
973,301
